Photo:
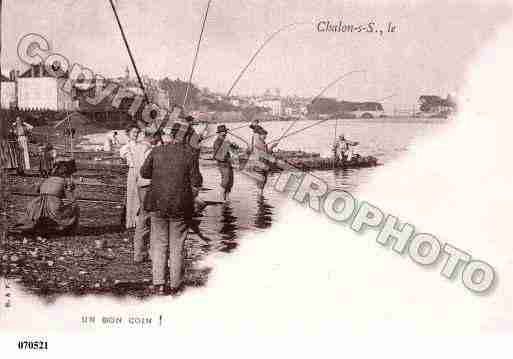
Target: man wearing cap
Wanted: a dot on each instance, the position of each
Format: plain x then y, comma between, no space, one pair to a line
222,155
175,182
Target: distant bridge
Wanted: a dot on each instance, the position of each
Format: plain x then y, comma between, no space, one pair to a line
367,114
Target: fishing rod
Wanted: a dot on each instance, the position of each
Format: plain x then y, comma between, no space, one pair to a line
316,98
168,111
323,120
240,138
129,51
196,54
336,125
261,47
267,40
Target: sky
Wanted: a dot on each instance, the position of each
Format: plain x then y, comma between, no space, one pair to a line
428,53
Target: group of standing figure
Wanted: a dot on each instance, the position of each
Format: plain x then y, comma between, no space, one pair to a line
163,184
256,161
14,150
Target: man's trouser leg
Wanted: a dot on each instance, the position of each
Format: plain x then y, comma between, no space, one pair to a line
142,228
177,235
159,237
167,239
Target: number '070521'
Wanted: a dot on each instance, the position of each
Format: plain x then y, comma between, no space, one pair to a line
32,345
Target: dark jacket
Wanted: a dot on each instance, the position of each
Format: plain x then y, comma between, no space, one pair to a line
196,151
173,173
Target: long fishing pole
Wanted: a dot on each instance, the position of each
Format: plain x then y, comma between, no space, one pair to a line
129,52
162,124
267,40
321,121
336,125
196,54
244,69
316,98
237,136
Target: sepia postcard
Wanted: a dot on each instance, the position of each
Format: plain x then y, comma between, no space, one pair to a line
255,178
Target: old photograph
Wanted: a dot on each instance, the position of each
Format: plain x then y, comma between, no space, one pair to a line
141,140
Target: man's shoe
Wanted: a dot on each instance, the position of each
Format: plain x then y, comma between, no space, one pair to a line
175,290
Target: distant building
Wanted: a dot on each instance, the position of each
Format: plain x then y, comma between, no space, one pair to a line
432,104
37,89
8,91
275,105
235,102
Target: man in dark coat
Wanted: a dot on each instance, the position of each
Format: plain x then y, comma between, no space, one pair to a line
175,181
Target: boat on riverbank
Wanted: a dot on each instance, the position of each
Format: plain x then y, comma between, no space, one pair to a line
300,160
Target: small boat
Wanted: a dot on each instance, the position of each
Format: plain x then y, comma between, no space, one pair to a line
302,161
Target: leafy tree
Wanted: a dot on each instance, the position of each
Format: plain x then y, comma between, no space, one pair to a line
176,90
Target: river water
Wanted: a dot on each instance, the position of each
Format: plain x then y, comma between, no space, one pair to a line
385,139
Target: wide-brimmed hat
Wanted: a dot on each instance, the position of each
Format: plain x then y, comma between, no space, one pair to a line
221,128
259,130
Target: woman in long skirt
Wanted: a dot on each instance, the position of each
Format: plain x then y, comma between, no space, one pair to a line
10,154
21,129
47,213
132,198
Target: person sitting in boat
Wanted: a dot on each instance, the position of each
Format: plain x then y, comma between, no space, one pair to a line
342,150
47,213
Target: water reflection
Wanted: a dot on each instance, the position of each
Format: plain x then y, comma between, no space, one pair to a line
229,228
342,177
263,217
194,225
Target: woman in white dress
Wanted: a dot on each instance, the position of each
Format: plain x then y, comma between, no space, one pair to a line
22,129
127,152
